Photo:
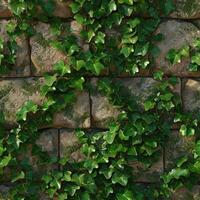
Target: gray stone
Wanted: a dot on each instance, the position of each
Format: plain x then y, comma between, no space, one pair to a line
191,94
4,10
148,175
14,93
43,55
77,115
140,88
177,147
177,34
186,9
22,64
69,145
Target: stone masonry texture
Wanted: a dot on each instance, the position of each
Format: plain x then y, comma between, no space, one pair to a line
92,111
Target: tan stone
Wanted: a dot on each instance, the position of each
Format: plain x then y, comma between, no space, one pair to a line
177,34
177,147
22,65
4,10
69,145
14,93
43,55
140,88
77,115
191,94
186,9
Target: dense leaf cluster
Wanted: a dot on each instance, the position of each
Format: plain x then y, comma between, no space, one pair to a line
115,37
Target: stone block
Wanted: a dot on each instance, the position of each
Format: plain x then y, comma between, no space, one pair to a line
69,145
186,9
177,146
21,68
4,10
140,88
176,35
191,94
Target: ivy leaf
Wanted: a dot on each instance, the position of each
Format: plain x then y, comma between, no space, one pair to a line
120,178
148,105
29,106
50,80
62,196
18,176
99,39
85,196
158,75
5,160
126,51
187,131
61,68
112,6
80,64
78,83
127,195
75,7
129,2
98,67
79,18
169,6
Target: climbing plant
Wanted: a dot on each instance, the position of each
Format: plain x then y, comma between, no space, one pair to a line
118,37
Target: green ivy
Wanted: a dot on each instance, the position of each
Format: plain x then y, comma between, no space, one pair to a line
118,40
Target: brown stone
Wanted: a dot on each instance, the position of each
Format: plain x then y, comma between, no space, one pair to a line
191,94
43,55
77,115
177,34
69,145
14,93
22,64
177,147
140,88
4,10
62,9
186,9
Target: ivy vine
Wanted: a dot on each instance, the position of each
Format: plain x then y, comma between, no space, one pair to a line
115,38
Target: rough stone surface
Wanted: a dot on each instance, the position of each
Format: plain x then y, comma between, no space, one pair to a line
186,9
187,194
191,94
177,34
4,11
149,175
62,9
176,147
14,93
22,65
44,56
77,115
103,111
69,145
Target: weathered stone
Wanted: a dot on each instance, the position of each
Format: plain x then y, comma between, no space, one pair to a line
177,34
14,93
149,175
77,115
4,11
191,94
187,194
43,55
62,9
186,9
140,88
176,147
22,64
69,145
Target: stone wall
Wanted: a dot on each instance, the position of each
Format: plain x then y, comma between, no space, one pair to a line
92,111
